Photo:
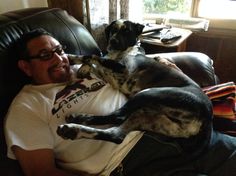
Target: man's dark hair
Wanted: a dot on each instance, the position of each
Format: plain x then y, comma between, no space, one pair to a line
21,45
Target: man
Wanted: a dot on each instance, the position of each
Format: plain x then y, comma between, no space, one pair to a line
40,107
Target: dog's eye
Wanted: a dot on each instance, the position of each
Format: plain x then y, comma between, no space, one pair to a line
113,31
126,30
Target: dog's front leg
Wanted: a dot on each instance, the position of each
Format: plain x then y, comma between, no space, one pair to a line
75,59
84,71
83,59
88,65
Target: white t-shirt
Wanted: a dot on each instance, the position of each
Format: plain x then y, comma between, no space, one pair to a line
36,112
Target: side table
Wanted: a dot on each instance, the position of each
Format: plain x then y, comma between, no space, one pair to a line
154,45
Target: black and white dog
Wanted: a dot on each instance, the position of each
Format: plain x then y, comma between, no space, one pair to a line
161,98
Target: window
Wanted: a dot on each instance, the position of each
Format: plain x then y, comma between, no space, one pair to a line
220,9
220,13
167,7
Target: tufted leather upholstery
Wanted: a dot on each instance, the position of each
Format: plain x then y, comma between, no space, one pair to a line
197,66
78,41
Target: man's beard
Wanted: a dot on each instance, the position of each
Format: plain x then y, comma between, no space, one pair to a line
63,76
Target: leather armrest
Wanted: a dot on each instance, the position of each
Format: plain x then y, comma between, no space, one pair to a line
197,66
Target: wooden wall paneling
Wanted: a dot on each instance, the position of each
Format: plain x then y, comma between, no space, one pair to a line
203,44
221,49
226,61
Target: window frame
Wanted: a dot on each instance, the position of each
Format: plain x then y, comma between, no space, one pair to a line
228,24
224,24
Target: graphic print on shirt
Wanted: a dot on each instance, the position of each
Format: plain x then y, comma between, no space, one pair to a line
72,94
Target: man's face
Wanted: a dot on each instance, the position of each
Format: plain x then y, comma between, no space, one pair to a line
54,69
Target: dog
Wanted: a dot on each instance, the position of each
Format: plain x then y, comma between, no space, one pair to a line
161,98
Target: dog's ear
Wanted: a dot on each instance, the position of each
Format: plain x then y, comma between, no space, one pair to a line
139,28
108,30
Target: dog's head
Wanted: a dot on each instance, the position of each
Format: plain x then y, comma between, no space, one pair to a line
122,34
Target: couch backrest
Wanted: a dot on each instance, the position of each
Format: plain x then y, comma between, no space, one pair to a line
13,24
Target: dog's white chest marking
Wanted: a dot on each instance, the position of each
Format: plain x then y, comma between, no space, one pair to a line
125,57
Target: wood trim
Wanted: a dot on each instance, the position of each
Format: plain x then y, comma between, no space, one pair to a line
73,7
194,8
218,33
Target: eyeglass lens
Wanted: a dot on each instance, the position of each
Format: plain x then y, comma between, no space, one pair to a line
47,55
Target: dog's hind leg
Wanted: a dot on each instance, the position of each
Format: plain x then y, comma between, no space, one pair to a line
115,118
75,131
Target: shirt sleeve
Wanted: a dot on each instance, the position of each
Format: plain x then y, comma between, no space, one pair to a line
26,128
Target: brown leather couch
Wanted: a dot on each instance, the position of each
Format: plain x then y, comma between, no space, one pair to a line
78,41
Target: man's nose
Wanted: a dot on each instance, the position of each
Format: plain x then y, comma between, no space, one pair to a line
57,56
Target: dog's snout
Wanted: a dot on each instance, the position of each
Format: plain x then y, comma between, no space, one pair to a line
114,44
114,41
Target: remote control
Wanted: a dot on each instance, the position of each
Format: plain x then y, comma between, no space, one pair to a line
169,37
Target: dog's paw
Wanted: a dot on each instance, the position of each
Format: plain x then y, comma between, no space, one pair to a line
75,59
84,72
68,131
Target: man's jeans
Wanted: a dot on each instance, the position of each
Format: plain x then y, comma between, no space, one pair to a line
155,157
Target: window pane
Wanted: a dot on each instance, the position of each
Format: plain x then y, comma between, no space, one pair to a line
168,7
218,9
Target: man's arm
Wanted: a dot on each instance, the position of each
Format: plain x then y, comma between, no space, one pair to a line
38,162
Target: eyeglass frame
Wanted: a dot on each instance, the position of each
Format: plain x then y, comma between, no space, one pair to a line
59,49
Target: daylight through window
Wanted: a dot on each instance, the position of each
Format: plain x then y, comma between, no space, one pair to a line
221,13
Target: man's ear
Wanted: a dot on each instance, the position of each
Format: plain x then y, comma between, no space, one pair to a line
25,67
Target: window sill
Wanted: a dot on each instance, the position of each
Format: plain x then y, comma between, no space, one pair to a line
194,24
223,24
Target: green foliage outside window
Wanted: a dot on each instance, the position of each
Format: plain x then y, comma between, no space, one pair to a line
165,6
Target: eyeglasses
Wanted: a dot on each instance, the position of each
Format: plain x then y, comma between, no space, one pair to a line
47,55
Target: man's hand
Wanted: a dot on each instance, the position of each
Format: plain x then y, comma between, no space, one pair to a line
166,61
